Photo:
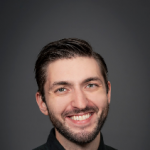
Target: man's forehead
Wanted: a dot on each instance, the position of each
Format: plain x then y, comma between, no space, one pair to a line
78,68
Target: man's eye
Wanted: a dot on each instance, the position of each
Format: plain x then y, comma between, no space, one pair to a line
91,85
61,90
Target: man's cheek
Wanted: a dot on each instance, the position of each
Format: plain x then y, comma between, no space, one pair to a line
58,108
98,100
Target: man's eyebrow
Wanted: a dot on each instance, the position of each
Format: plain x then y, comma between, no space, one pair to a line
69,84
92,79
59,83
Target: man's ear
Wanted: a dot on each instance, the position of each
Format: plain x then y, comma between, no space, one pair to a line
109,92
41,104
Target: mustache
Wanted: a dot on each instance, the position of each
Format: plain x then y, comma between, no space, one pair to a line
75,111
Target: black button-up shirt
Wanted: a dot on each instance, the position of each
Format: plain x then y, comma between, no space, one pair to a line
53,144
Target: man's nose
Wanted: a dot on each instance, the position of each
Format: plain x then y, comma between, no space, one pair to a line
79,99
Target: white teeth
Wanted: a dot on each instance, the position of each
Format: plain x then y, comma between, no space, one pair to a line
77,118
80,118
83,117
87,116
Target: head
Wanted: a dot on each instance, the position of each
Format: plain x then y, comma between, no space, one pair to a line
73,88
65,49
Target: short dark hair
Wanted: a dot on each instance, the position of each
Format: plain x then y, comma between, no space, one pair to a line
65,49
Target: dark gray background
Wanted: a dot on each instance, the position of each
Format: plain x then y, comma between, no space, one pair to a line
119,31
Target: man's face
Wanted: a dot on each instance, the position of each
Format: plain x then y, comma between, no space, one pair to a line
76,98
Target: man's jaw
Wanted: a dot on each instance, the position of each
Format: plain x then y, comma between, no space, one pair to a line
80,131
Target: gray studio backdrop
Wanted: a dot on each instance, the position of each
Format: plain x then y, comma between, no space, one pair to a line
119,31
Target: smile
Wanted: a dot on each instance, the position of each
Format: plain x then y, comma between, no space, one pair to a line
83,117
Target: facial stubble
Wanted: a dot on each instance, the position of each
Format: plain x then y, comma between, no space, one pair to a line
81,137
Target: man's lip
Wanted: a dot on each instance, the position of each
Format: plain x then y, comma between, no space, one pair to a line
79,123
80,114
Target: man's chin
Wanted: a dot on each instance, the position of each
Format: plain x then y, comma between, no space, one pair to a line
78,133
79,136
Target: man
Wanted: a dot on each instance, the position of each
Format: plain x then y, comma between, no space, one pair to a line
74,92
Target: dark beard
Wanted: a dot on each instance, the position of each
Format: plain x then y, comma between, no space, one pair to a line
82,137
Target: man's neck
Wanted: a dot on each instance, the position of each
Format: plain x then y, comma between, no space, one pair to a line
68,145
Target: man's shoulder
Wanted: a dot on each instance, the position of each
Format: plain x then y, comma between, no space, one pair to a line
109,148
42,147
